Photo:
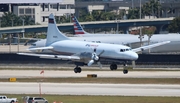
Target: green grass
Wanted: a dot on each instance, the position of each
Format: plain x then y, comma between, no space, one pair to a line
101,80
100,99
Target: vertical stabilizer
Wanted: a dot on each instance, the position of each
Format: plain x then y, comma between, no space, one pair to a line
77,27
53,33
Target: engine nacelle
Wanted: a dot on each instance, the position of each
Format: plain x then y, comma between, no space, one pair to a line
85,57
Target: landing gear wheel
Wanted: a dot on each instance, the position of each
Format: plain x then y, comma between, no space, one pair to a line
125,71
77,70
113,66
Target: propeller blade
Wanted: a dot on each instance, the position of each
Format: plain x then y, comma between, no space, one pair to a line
101,53
94,49
90,62
99,64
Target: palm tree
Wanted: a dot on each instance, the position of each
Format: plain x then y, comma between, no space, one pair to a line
89,17
151,8
133,13
63,19
28,20
97,15
57,19
174,26
8,19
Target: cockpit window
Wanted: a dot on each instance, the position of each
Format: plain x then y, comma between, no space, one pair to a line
123,50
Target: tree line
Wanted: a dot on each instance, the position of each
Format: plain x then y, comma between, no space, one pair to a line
151,8
9,19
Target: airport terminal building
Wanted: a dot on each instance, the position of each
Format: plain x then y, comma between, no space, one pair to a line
38,10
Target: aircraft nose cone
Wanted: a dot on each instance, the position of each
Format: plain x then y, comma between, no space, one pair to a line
135,56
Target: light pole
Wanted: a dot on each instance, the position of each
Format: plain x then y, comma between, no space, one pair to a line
70,13
132,4
0,23
23,27
10,36
117,30
18,43
9,43
12,22
140,35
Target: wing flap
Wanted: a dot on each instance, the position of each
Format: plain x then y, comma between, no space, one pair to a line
40,48
150,46
61,57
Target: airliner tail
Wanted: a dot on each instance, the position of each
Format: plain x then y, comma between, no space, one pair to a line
53,33
77,27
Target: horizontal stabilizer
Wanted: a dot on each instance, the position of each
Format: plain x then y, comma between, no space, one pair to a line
29,38
62,57
40,48
150,46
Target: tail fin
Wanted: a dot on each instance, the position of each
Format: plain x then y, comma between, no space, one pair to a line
53,33
77,27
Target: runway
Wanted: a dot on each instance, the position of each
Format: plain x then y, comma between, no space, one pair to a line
91,89
70,73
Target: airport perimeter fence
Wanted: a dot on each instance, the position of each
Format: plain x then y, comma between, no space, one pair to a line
144,59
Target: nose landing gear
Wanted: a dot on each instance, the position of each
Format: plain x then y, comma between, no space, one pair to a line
126,68
77,69
125,71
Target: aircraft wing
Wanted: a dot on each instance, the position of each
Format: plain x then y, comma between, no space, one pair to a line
62,57
150,46
41,48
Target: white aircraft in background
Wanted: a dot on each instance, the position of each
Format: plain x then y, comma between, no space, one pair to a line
131,40
125,39
83,52
79,31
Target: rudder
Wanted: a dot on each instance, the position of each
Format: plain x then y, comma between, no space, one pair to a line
53,33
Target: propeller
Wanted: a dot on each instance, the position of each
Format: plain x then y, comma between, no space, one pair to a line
95,58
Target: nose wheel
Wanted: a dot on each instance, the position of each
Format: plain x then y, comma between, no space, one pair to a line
77,69
125,68
125,71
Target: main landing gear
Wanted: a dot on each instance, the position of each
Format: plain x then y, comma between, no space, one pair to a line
113,66
77,69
